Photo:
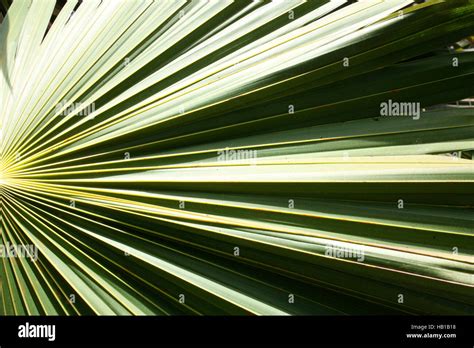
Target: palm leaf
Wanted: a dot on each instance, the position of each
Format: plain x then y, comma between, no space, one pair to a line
195,157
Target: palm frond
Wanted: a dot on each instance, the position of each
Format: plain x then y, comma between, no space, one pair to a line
215,157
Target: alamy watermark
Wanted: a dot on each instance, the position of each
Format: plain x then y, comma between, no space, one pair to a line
9,250
341,252
227,155
28,330
65,108
395,109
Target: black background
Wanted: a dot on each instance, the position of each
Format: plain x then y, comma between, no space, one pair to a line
225,331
